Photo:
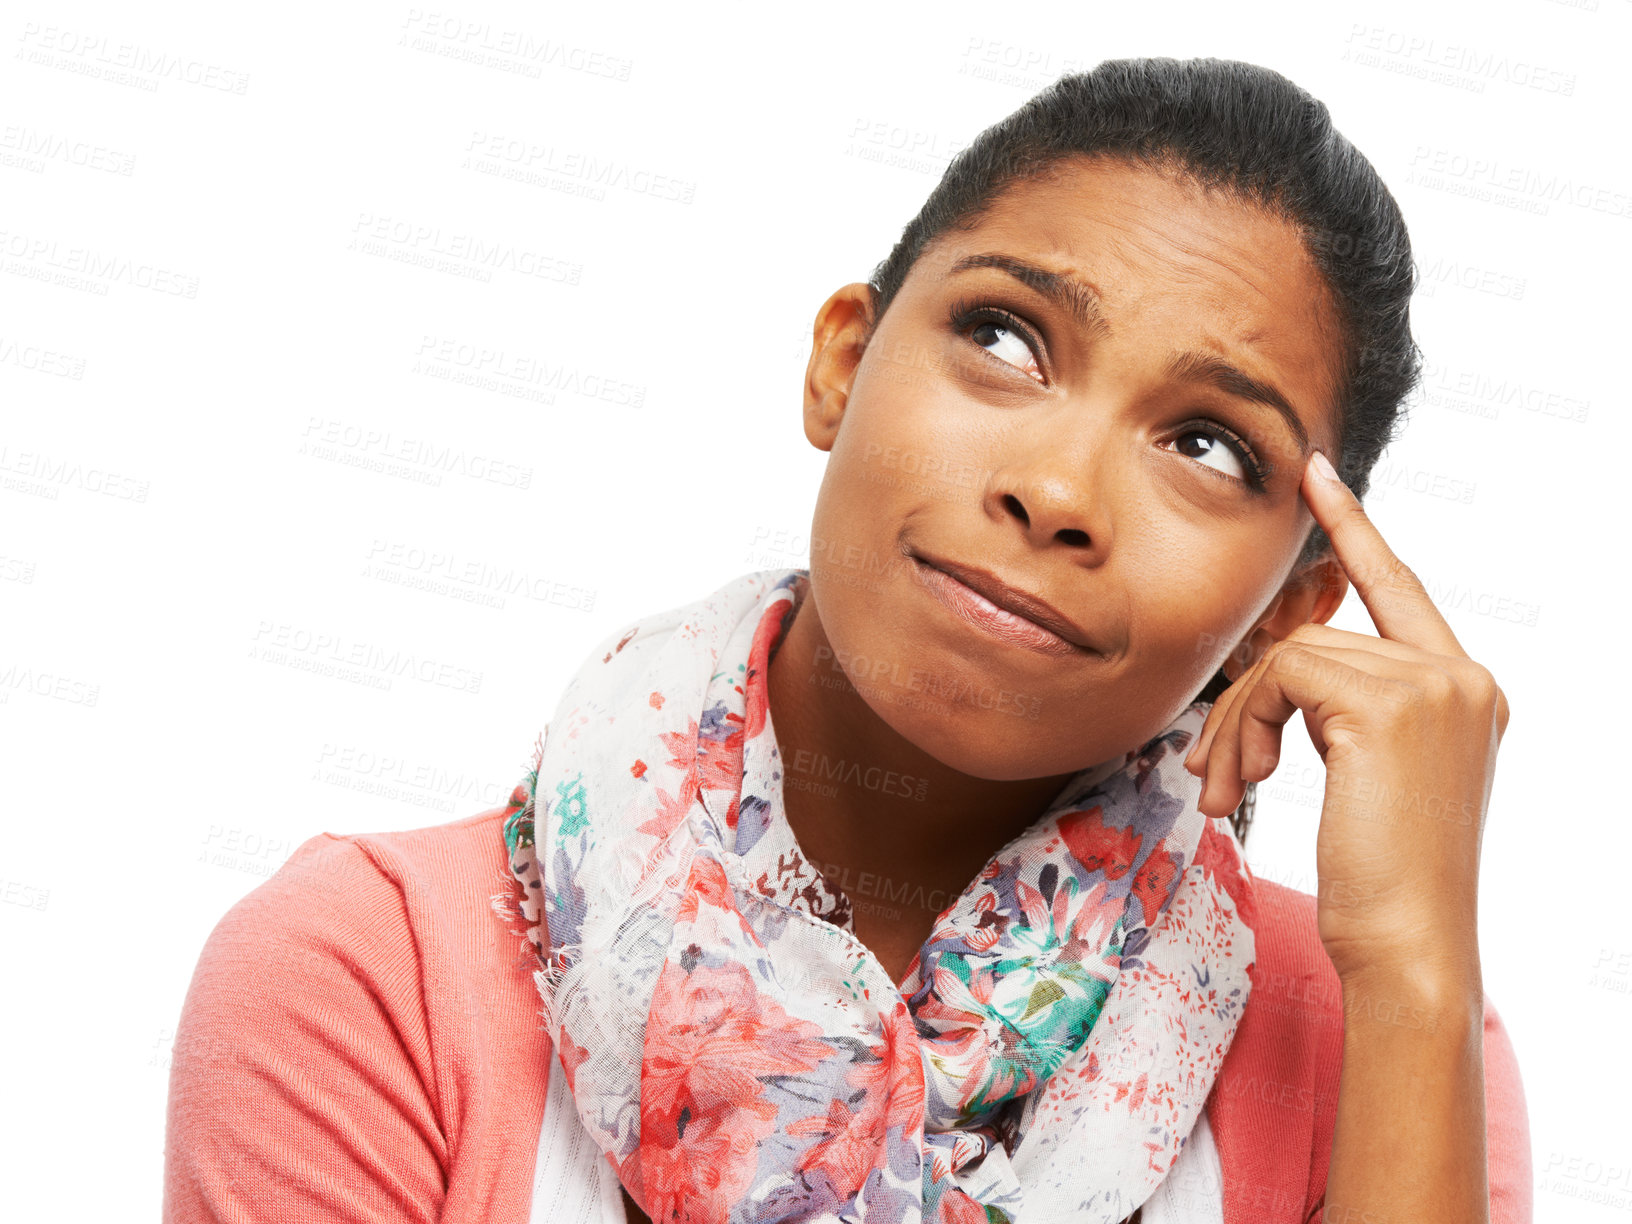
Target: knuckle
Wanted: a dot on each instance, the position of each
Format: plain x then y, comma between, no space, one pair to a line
1483,685
1473,682
1289,654
1405,702
1486,695
1439,687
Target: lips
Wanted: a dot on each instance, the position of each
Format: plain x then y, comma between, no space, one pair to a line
1038,613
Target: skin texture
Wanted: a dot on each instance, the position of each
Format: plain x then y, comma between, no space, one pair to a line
1072,475
1063,472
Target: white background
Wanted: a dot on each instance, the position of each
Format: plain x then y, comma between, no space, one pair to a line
161,525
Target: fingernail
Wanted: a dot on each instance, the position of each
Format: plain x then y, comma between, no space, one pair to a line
1324,467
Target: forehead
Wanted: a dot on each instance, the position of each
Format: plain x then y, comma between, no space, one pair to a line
1173,265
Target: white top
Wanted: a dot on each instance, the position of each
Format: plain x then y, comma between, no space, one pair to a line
573,1185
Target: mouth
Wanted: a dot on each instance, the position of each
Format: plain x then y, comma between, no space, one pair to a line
987,602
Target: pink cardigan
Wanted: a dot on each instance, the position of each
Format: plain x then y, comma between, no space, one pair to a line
361,1042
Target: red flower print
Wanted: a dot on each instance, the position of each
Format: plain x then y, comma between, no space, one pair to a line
958,1208
758,695
968,1031
720,762
1140,1088
1154,882
710,1038
1096,845
849,1145
1225,864
706,885
572,1056
682,745
901,1054
988,924
671,809
851,1141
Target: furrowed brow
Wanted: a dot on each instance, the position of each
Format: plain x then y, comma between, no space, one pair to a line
1216,372
1077,298
1081,301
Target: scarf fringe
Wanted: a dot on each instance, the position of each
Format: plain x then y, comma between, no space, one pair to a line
507,907
547,977
548,981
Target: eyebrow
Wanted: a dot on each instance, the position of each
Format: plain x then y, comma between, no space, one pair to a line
1077,298
1081,301
1213,370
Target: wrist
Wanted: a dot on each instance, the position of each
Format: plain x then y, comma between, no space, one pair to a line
1420,996
1437,951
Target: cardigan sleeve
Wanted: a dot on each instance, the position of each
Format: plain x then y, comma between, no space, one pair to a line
1507,1127
302,1085
1507,1131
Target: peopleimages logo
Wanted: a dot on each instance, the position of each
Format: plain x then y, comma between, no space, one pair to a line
122,62
47,474
85,269
514,50
1449,63
368,446
358,662
819,768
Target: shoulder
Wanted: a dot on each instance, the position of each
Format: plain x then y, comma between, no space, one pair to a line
376,898
352,1027
420,913
373,921
443,858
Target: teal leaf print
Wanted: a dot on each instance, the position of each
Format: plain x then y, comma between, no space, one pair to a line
574,806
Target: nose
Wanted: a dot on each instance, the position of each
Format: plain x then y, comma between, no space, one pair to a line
1053,489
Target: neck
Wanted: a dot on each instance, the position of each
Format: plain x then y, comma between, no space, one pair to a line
861,797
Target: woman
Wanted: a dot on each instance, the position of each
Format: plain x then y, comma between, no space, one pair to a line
901,888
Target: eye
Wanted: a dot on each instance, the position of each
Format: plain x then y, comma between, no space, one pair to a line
1001,334
1004,343
1223,451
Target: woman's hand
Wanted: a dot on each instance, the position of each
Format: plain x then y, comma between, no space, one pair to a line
1407,725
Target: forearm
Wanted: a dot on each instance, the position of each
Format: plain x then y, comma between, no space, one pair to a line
1409,1142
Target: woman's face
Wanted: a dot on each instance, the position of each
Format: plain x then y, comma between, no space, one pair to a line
1050,398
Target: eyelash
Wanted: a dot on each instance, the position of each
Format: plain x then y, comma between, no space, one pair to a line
965,313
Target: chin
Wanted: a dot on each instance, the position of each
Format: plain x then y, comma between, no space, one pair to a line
995,747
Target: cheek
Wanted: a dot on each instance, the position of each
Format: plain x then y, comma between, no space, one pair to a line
1187,614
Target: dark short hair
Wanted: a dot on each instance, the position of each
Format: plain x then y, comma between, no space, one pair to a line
1251,132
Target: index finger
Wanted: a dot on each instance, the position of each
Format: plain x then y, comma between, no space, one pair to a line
1399,604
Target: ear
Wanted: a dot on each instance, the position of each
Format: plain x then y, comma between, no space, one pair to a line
844,325
1310,596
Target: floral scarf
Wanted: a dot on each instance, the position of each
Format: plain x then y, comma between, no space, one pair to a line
738,1055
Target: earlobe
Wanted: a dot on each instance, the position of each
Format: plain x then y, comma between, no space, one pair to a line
843,327
1246,652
